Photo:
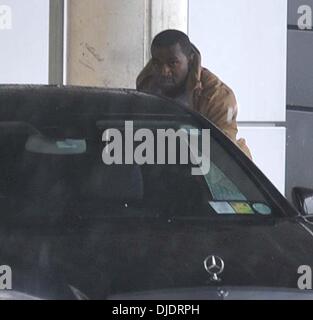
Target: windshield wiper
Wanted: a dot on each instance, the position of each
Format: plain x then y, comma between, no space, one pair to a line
78,294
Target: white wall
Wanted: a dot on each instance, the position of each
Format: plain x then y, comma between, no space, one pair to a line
267,145
24,54
245,43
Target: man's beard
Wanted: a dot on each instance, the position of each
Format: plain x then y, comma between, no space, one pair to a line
170,88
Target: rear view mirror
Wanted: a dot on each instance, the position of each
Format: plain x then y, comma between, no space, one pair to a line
303,200
44,145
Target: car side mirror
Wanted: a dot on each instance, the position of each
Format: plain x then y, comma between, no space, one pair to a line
303,200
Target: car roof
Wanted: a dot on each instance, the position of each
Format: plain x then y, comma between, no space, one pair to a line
17,101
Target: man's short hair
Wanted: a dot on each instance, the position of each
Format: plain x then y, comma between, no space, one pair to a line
171,37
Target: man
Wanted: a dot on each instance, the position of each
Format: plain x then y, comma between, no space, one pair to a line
175,71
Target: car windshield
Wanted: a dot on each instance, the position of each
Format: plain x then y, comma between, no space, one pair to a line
60,171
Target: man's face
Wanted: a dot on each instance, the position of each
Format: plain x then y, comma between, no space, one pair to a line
171,66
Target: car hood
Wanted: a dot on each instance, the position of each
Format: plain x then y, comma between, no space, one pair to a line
120,255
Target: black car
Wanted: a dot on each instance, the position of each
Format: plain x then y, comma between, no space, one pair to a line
75,227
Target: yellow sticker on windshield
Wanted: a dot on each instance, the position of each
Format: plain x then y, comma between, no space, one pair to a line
242,207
